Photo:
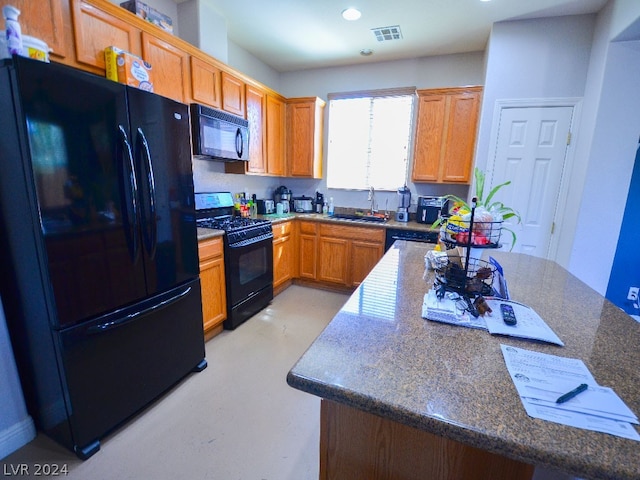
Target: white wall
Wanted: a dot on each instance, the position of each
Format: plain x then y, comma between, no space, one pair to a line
608,140
16,426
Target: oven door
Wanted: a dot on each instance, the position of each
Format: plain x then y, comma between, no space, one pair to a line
249,272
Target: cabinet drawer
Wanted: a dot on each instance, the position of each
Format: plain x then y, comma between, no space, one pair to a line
371,234
210,248
281,229
308,227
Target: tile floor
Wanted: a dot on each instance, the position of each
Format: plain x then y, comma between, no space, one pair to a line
236,420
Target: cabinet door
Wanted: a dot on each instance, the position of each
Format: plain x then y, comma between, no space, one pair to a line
43,20
95,29
206,84
212,281
275,136
282,260
300,140
333,260
460,141
256,117
428,139
233,94
169,67
308,245
364,256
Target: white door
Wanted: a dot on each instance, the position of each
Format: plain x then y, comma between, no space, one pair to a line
530,151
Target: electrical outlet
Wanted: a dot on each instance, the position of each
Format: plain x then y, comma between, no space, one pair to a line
633,294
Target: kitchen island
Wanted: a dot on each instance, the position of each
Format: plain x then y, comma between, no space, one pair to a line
405,397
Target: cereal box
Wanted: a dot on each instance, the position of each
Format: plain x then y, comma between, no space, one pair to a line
111,62
150,14
134,71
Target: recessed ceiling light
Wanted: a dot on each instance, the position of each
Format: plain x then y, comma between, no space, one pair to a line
365,52
351,14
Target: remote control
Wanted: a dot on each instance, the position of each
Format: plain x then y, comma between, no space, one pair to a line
508,314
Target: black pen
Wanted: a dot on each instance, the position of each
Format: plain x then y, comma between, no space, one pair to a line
569,395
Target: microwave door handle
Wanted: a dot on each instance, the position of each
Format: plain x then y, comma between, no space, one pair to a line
130,189
239,143
149,225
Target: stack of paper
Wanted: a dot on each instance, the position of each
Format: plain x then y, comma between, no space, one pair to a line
542,378
529,324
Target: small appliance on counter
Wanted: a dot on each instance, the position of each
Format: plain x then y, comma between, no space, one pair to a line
283,196
265,207
404,202
303,204
319,202
429,209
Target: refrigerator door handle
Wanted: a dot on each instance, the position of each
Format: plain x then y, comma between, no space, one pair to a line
149,220
103,327
130,189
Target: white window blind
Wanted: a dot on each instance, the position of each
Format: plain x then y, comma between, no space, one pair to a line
369,138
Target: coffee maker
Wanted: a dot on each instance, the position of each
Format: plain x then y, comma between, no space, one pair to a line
283,196
404,202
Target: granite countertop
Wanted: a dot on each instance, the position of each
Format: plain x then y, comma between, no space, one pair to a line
380,356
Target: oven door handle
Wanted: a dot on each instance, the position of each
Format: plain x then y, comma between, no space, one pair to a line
251,241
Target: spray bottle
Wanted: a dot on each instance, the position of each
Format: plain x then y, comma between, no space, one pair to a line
13,30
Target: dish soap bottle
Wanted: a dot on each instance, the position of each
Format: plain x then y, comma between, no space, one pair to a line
13,30
330,212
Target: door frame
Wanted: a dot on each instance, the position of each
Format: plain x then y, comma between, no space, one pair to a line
569,160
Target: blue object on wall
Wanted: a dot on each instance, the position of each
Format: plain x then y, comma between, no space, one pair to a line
625,271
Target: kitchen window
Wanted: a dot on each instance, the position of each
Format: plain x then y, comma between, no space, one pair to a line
369,138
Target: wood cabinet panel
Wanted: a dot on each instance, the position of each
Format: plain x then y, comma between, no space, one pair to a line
283,255
44,20
446,134
333,260
169,66
206,83
233,94
275,132
307,249
95,29
255,110
364,256
304,137
212,284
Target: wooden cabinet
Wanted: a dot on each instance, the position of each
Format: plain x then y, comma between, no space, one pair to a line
305,117
206,83
283,255
446,134
212,281
275,133
44,19
346,254
97,28
307,246
169,66
233,94
256,103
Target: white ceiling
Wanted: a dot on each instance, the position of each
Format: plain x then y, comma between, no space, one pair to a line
299,34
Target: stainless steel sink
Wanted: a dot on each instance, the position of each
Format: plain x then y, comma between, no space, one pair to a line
358,218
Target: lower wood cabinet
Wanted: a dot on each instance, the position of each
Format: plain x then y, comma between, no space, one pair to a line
307,246
346,254
283,255
212,281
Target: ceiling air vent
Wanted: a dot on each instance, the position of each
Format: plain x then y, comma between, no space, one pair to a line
385,34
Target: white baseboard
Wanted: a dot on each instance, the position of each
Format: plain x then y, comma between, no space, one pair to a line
16,436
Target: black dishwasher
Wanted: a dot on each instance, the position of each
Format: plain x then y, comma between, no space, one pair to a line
424,236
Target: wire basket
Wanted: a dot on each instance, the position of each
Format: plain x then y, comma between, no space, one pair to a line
475,279
484,234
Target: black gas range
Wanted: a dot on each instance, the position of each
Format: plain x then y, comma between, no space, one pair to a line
248,255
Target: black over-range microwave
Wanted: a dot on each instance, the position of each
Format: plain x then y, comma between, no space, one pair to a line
218,135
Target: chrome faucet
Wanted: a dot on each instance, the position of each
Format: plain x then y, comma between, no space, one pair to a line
372,199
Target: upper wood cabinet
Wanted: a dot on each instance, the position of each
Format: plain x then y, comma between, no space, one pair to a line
44,19
206,83
95,29
169,67
256,104
305,117
446,134
275,133
233,94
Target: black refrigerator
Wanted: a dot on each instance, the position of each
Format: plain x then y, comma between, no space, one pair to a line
98,252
